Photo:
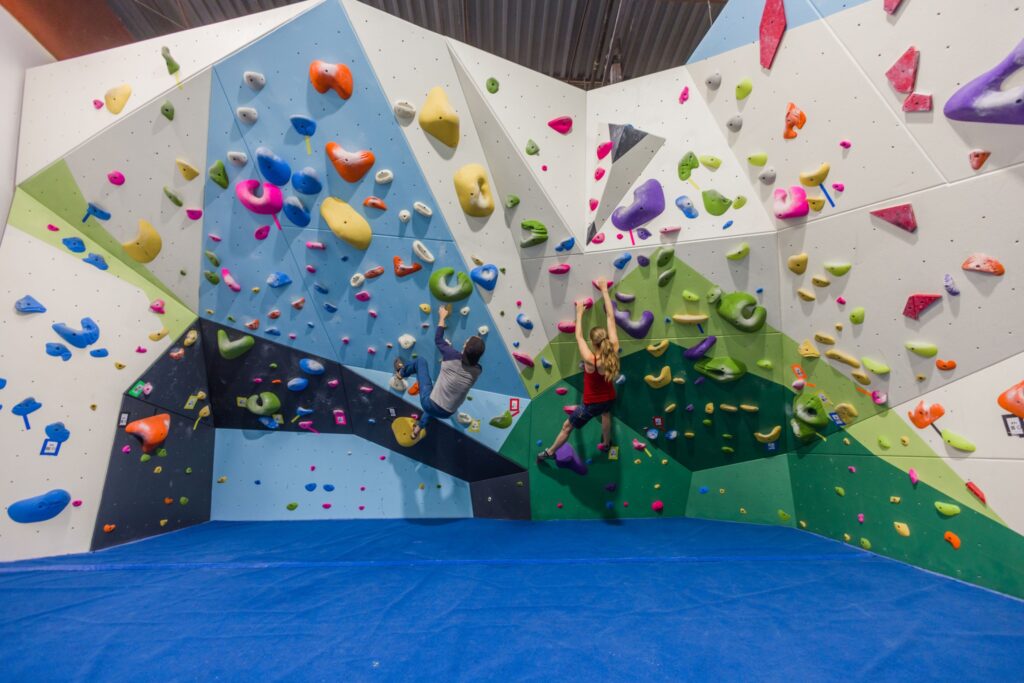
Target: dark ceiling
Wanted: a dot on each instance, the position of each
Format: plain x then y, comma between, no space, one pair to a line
577,41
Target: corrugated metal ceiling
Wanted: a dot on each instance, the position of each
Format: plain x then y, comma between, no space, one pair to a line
572,40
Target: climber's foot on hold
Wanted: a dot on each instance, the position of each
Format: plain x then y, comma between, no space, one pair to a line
416,429
544,455
398,367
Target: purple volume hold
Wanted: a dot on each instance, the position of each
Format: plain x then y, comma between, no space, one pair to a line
648,204
698,351
637,329
984,100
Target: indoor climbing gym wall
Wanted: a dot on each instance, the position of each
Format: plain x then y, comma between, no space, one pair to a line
809,230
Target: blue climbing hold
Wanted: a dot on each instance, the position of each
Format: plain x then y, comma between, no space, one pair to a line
303,125
74,244
515,344
296,212
653,433
727,225
609,505
311,367
297,384
328,487
621,261
311,487
26,407
58,351
278,279
56,431
257,482
486,276
703,489
96,260
307,181
99,353
268,422
329,307
320,288
88,335
3,382
524,322
274,169
566,245
671,435
273,332
39,508
685,205
96,212
545,363
29,304
302,412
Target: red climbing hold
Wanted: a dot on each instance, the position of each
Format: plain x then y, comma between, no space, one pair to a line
890,6
918,303
403,269
902,216
903,73
978,493
978,157
773,25
917,102
1012,400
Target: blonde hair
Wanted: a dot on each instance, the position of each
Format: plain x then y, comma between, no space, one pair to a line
606,355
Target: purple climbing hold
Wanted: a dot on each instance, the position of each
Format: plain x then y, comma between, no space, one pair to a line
643,261
643,234
625,297
567,458
698,351
648,204
985,101
637,329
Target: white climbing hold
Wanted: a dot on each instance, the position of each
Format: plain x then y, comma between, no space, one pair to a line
247,115
255,80
464,311
238,158
404,109
422,209
421,251
357,280
407,341
404,215
383,176
483,330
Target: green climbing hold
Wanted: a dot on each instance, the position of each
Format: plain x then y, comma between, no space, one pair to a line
840,491
292,506
765,364
838,268
728,449
263,403
219,174
172,66
865,543
161,452
740,252
947,509
188,470
663,256
784,516
272,366
810,409
444,290
212,258
511,201
740,309
666,276
884,443
961,443
758,159
743,89
857,315
145,457
715,203
233,349
721,369
167,109
802,430
503,421
687,164
709,161
739,202
173,196
691,296
875,366
714,294
183,501
923,349
492,85
532,148
706,422
538,233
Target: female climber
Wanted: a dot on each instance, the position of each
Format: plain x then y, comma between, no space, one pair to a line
459,372
600,368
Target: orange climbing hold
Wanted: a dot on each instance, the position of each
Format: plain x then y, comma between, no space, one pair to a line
952,539
1012,400
795,119
983,263
414,389
375,203
152,431
403,269
925,414
945,364
107,528
326,76
351,166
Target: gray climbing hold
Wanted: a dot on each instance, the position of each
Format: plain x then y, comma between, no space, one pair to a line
735,123
767,176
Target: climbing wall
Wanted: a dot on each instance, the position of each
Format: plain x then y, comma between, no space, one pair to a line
812,270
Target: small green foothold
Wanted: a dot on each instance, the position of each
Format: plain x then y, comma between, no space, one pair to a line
492,85
865,543
666,277
172,66
783,515
161,453
947,509
757,159
212,258
715,203
884,443
875,366
739,253
231,318
662,256
710,161
182,272
743,89
532,148
183,500
211,277
923,349
837,268
273,366
727,437
714,294
857,315
188,470
957,441
502,270
687,164
765,364
706,422
739,202
292,506
167,109
503,421
173,196
511,201
728,449
840,491
691,296
219,174
145,457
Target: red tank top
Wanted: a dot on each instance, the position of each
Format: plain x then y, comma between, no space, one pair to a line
596,389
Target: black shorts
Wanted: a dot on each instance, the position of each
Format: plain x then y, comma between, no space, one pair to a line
586,412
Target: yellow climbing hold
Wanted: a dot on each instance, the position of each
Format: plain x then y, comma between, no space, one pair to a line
847,412
748,408
425,308
815,178
117,97
807,349
816,203
346,223
670,408
187,170
797,263
770,436
806,294
823,338
783,515
661,380
401,427
657,349
895,500
820,281
474,191
709,408
901,528
728,407
146,245
158,335
843,357
689,318
438,118
861,377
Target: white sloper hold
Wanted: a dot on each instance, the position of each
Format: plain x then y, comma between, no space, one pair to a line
422,253
407,341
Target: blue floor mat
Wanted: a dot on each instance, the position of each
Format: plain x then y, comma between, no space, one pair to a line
675,599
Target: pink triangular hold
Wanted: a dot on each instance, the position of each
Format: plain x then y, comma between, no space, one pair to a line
918,303
903,73
917,101
562,124
891,6
593,204
902,216
773,25
603,149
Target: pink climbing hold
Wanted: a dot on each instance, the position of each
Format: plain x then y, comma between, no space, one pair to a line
860,517
603,149
373,313
544,167
670,229
903,73
97,104
76,503
261,232
792,203
890,6
519,303
316,245
194,214
310,268
593,204
912,473
559,269
326,506
569,410
126,449
599,173
332,383
52,228
366,389
141,349
229,280
562,124
841,300
845,144
567,327
918,304
657,506
917,101
158,307
217,238
598,238
853,470
561,391
522,358
901,215
838,187
345,340
363,296
773,25
116,178
684,95
879,397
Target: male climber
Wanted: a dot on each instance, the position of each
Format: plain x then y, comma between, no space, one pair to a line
459,372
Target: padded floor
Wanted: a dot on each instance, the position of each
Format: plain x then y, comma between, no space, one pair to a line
670,599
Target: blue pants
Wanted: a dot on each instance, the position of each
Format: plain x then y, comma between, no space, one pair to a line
421,369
